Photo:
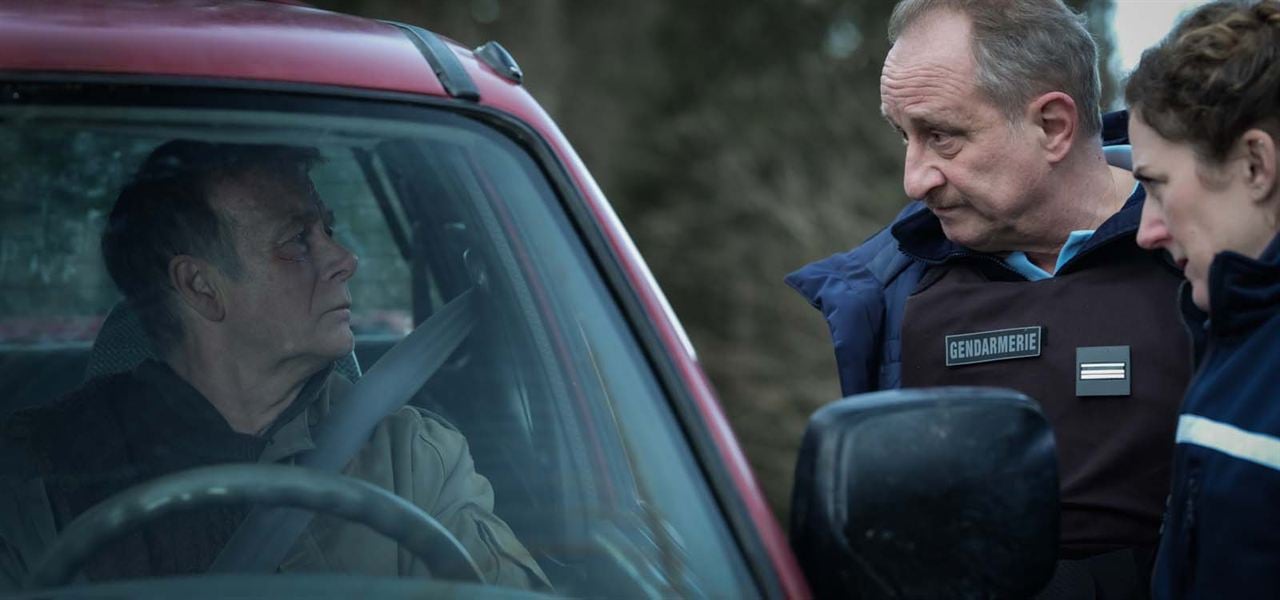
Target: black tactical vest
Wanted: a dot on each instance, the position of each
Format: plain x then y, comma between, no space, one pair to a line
1100,346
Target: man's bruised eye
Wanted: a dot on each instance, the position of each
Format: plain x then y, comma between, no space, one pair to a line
296,246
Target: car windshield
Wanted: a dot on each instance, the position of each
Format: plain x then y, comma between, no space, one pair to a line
274,251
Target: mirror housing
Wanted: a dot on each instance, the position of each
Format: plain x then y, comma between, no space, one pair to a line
927,493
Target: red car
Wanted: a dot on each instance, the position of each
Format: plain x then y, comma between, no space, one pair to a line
579,394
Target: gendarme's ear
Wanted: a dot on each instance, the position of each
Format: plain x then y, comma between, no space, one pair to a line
196,284
1258,149
1054,115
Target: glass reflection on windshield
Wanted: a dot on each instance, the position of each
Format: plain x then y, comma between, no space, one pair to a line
189,288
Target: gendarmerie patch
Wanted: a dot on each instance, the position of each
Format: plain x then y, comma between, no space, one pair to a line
987,346
1103,371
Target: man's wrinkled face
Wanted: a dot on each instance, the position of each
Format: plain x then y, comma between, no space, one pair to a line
972,167
291,299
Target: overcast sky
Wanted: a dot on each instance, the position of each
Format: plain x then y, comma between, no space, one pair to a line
1141,23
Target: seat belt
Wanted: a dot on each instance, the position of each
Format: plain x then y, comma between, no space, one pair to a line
267,534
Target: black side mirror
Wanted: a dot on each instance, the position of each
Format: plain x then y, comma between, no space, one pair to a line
927,493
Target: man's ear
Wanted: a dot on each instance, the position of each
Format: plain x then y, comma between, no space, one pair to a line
1054,117
1258,149
196,284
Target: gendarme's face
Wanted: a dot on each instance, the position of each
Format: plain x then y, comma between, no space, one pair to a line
1194,210
291,300
964,159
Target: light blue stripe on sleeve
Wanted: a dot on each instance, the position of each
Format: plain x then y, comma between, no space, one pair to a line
1246,445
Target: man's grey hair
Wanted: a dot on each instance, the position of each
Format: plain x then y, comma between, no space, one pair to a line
1023,48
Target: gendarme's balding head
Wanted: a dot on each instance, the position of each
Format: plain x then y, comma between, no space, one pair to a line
983,134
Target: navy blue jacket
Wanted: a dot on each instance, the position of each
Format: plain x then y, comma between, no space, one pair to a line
1221,536
863,292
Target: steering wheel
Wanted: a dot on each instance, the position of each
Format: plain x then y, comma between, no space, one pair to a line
274,485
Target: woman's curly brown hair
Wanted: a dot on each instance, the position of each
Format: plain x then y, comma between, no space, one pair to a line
1215,76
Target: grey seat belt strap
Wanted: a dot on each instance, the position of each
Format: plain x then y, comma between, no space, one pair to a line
266,535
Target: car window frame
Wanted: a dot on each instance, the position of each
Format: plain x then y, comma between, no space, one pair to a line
142,90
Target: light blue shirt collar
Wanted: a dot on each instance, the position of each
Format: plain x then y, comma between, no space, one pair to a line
1019,262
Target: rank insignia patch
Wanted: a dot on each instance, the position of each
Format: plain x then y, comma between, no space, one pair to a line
1103,371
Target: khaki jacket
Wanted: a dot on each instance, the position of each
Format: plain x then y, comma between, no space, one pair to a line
412,453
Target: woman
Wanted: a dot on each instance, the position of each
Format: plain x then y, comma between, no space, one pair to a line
1205,129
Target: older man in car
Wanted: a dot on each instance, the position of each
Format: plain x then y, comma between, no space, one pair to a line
226,254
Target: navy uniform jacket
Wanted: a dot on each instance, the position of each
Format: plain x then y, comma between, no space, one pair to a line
1221,536
863,292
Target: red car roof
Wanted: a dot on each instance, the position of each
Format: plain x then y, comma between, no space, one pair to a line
239,39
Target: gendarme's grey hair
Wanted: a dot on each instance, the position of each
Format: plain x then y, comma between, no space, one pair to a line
1023,48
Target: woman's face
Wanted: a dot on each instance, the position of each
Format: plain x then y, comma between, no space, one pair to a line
1195,210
